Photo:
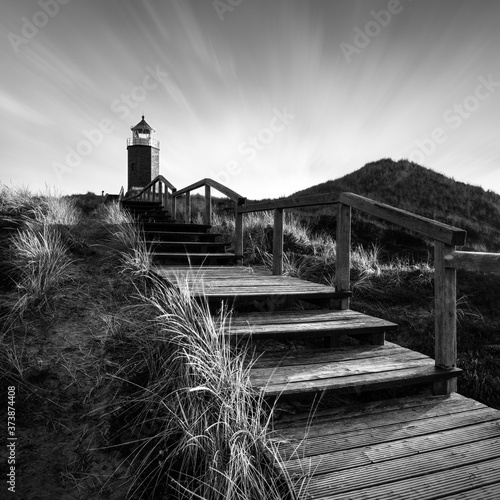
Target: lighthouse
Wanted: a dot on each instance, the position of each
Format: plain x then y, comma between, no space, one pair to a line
143,156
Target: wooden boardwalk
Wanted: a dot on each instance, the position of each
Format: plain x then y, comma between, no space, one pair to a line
436,445
421,447
415,448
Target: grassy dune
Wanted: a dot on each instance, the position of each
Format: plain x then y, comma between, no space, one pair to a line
124,381
127,383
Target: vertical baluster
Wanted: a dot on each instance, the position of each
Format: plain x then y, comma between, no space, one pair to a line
343,251
278,242
445,282
187,214
208,205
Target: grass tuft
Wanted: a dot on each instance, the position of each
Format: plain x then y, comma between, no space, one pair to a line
199,429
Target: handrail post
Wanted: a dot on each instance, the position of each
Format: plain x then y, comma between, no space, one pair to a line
187,213
238,235
208,205
174,204
278,242
165,197
343,252
445,282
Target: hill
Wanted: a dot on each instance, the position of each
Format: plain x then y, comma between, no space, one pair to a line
411,187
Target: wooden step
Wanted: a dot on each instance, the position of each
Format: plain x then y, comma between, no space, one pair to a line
188,246
175,226
305,324
238,284
344,370
194,258
155,219
416,448
180,236
141,203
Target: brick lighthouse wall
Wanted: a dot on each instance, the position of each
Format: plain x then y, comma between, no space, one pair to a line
143,165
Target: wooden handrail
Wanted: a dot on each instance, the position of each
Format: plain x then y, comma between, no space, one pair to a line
302,201
145,189
438,231
156,190
233,195
445,257
427,227
473,261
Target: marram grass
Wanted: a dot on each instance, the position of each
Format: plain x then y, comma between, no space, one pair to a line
200,429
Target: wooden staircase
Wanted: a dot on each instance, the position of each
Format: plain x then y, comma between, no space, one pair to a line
267,308
419,447
172,242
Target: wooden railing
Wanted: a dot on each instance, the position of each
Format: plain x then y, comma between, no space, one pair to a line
209,184
159,189
446,258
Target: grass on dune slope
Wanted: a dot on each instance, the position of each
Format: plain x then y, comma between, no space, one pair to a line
125,382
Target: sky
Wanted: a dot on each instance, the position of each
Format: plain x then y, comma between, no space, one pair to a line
265,96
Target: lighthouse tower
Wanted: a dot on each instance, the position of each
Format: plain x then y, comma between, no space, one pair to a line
143,156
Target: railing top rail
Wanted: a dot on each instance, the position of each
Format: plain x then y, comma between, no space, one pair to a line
299,201
427,227
439,231
210,182
487,262
158,178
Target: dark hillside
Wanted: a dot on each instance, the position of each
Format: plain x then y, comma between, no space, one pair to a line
411,187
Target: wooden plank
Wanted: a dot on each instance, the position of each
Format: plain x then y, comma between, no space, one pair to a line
467,481
445,319
346,422
473,261
299,201
287,375
425,372
324,439
435,230
238,235
208,205
217,185
423,464
337,354
300,323
382,452
343,252
358,411
187,208
490,492
305,316
278,242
